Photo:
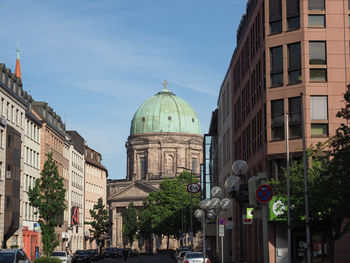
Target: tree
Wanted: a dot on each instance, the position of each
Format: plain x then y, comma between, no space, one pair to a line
130,223
162,212
48,196
101,223
328,184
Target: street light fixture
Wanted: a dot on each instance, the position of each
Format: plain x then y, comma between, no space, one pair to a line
191,212
209,210
234,187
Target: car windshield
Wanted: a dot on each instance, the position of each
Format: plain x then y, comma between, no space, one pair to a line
194,255
183,253
58,254
80,252
7,257
93,250
109,249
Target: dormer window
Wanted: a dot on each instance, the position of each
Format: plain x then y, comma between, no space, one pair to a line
3,77
143,119
192,119
9,83
169,118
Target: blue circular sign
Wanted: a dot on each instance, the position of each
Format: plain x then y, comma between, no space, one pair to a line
264,193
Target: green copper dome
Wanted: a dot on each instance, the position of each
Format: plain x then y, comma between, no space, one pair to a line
165,112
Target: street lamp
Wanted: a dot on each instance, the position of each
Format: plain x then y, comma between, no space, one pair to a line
210,210
234,187
191,212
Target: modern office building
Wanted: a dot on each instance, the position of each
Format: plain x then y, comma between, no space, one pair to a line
289,53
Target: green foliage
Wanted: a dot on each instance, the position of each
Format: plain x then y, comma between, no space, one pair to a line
48,196
47,260
328,184
130,223
101,222
162,212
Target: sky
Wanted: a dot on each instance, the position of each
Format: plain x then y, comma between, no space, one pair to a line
96,61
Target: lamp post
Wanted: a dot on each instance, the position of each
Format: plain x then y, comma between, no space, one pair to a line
210,210
191,212
234,187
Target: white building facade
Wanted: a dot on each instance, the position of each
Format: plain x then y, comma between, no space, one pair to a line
76,191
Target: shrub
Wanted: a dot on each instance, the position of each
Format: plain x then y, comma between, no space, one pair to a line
47,260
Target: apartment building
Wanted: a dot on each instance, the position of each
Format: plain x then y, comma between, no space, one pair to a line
95,187
12,110
31,172
289,53
76,190
53,139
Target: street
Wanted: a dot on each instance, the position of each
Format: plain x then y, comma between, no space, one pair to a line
157,258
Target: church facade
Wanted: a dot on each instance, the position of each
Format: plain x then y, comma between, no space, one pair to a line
165,139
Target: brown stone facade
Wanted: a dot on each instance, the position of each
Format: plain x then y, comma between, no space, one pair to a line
151,157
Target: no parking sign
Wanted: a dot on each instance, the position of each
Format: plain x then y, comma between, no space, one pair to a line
264,193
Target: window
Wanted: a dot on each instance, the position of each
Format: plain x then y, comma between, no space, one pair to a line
318,61
293,14
317,53
294,63
316,5
9,140
317,20
294,118
275,11
9,83
277,120
319,116
276,66
0,172
1,138
143,167
7,202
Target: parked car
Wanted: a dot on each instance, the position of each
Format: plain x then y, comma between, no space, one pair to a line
62,255
110,252
181,256
195,257
13,256
93,253
120,252
81,256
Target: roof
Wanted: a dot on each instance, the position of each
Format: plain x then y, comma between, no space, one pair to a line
165,112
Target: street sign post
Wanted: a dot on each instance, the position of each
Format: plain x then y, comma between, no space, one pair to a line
264,193
193,188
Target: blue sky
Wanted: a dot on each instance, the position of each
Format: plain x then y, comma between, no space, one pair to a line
96,61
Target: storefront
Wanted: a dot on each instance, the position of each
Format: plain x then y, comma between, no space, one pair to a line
31,239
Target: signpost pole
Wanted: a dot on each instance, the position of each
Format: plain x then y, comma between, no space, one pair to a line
222,249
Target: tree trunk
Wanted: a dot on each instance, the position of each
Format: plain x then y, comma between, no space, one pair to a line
167,243
330,249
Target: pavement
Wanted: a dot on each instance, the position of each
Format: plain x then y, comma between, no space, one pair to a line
156,258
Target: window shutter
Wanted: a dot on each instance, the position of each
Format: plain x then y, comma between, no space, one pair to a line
319,109
293,8
316,5
275,10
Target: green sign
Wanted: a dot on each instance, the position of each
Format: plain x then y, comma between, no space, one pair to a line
249,213
277,206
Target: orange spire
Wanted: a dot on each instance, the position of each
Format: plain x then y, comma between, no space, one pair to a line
18,67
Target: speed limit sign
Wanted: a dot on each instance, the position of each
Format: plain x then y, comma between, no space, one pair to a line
193,188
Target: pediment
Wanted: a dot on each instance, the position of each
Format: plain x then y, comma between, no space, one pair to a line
134,191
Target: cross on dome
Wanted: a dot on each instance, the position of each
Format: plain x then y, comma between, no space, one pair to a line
165,83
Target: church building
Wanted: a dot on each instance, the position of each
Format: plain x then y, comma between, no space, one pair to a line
165,139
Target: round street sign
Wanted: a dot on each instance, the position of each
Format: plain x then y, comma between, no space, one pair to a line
193,188
264,193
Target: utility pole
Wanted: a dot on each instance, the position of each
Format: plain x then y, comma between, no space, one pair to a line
288,193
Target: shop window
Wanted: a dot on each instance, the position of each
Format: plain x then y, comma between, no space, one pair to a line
277,120
275,11
276,66
293,14
294,118
294,63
